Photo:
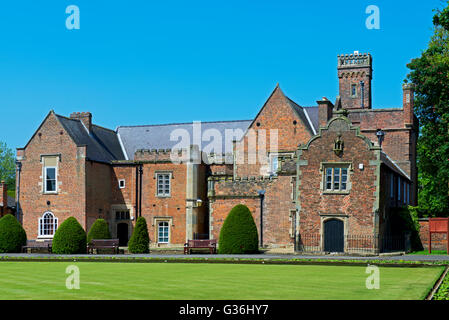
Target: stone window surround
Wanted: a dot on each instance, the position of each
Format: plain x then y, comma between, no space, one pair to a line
280,155
122,184
350,93
161,172
44,174
155,224
324,165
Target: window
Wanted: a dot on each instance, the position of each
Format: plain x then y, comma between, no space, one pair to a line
122,215
399,189
121,184
50,181
48,224
336,179
274,164
163,184
162,232
354,90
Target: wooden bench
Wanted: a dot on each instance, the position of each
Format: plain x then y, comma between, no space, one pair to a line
37,244
103,244
200,244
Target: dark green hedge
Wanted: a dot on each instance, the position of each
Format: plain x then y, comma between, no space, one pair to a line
140,240
99,230
12,235
69,238
238,233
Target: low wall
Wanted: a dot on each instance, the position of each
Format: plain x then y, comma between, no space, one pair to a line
439,241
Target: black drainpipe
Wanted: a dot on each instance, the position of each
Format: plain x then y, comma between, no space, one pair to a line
19,170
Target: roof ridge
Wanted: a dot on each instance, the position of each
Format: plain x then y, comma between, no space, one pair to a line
180,123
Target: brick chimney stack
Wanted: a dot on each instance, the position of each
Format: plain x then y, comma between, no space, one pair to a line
324,111
4,197
408,102
85,117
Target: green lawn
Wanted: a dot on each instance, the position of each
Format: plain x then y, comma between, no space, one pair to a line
426,252
165,281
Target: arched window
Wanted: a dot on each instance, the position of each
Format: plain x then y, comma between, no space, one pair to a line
48,224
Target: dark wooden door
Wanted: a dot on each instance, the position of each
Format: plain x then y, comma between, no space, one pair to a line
122,234
334,236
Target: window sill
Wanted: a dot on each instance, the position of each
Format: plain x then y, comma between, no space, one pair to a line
44,237
50,193
336,192
161,196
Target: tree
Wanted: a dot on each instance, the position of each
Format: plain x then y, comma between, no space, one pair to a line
99,230
69,238
7,166
239,232
12,235
430,74
140,240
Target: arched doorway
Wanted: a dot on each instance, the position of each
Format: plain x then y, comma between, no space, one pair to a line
334,236
122,234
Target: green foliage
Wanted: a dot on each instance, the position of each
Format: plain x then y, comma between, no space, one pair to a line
405,220
99,230
69,238
239,233
443,290
140,240
12,235
430,74
7,166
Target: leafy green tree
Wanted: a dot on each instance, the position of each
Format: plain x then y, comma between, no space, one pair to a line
7,166
69,238
239,232
99,230
12,235
430,74
140,240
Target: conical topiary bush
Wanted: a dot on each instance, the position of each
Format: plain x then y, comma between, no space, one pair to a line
69,238
239,232
140,240
12,235
99,230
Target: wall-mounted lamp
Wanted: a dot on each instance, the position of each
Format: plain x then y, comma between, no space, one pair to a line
380,136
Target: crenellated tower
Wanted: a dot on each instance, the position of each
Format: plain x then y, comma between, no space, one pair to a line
355,72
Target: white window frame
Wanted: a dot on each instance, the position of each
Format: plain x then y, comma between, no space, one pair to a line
45,180
273,158
120,182
333,167
164,194
41,225
167,228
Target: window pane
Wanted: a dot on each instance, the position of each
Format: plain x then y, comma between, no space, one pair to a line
51,173
51,185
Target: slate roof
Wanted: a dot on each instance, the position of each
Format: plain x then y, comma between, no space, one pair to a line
158,136
312,112
11,202
102,144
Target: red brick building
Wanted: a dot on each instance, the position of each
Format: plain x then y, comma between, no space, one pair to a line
320,174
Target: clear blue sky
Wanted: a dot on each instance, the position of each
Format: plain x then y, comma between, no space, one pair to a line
149,62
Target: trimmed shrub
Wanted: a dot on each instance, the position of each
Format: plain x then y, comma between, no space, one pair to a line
69,238
140,240
99,230
239,232
12,235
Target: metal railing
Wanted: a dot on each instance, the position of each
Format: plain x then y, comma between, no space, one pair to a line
353,244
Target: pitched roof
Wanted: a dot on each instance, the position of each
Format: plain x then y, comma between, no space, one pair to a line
102,144
11,202
135,138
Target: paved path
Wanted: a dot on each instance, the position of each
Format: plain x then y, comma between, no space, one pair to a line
253,256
